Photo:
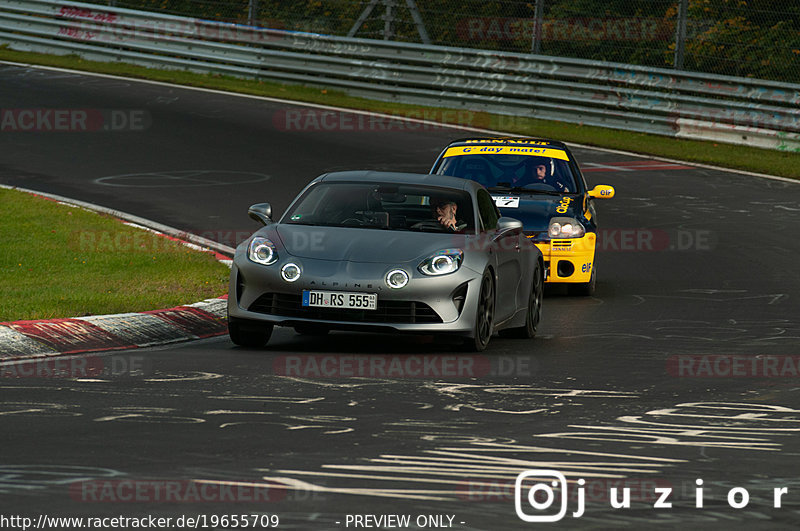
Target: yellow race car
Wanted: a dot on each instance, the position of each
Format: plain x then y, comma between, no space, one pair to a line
539,183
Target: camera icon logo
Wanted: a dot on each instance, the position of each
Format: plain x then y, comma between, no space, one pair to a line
553,480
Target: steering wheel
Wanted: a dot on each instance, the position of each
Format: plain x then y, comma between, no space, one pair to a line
436,225
353,221
428,224
543,186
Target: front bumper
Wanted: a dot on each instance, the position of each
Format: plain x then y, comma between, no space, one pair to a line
569,260
427,304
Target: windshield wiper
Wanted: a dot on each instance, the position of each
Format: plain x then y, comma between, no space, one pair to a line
323,224
425,229
344,225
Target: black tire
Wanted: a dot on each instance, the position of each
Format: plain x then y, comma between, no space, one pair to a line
249,333
585,289
484,316
311,330
534,312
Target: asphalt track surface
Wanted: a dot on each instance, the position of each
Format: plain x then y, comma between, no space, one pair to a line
695,262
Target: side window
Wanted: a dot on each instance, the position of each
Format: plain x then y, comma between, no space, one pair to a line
576,172
487,210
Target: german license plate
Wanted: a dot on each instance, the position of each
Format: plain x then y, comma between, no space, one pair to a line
340,299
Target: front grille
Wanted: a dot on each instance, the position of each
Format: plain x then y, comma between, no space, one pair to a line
405,312
562,243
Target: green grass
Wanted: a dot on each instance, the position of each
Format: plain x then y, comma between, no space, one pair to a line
785,164
60,261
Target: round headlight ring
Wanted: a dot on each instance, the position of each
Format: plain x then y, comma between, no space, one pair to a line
397,278
290,272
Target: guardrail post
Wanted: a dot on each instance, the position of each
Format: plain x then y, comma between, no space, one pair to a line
536,40
362,18
388,20
423,33
680,34
252,12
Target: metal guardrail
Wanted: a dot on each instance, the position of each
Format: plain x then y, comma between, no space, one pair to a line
679,104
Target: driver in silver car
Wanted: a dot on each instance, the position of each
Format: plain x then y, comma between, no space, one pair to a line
445,213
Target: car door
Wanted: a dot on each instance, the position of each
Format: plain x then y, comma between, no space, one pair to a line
587,215
505,250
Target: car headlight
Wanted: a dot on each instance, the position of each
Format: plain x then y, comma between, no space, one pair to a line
565,228
442,262
262,251
290,272
396,278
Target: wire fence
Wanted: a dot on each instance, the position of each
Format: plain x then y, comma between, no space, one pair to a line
746,38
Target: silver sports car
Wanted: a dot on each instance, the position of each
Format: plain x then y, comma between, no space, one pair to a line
386,252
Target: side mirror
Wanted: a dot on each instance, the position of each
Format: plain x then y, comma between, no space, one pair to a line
261,212
506,224
602,191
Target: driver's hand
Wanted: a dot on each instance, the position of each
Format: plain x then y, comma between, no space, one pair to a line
448,221
447,216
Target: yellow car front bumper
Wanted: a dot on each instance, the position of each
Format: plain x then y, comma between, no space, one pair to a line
569,260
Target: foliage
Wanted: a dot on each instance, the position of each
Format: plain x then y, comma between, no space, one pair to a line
749,38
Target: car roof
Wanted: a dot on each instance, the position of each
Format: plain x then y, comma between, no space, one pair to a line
425,179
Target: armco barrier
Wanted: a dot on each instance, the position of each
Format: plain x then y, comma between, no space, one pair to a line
666,102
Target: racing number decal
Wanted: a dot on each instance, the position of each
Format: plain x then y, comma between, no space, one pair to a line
506,202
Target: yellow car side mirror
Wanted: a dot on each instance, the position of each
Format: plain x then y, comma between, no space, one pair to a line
602,191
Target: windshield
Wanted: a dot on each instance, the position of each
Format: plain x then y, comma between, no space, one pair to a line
386,207
519,173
